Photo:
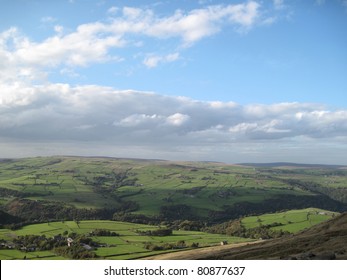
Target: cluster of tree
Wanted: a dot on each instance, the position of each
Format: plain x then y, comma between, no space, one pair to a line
127,206
43,211
158,232
7,219
4,192
20,212
179,216
168,246
186,225
192,191
75,252
178,224
339,194
235,228
81,239
135,218
76,249
103,232
177,212
280,203
38,242
107,183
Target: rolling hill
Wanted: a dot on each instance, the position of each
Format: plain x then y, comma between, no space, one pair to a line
244,201
151,191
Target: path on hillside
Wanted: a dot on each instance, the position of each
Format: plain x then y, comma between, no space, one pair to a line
196,254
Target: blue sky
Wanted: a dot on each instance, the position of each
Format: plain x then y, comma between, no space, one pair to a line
191,80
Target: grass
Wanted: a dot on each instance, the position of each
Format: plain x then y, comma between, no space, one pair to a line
10,254
72,180
292,221
203,186
127,245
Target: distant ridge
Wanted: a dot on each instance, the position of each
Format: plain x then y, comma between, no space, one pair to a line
100,157
291,164
246,164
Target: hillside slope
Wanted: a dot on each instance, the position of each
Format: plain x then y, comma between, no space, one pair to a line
97,188
327,240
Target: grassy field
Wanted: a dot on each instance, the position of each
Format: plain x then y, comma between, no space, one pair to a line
85,188
106,182
128,245
291,221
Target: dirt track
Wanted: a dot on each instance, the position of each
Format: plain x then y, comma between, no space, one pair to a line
197,254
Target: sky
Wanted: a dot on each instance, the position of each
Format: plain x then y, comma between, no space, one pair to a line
230,81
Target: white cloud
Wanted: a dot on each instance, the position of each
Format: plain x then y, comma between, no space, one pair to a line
244,14
58,29
201,23
81,119
107,109
93,42
75,49
153,60
132,13
177,119
79,48
162,125
113,10
269,20
138,119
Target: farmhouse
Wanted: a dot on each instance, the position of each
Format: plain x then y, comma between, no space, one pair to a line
69,241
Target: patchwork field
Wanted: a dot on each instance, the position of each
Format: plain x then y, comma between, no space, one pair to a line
128,245
291,221
61,196
170,190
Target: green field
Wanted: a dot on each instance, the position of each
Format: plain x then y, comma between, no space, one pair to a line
55,196
290,221
128,245
145,186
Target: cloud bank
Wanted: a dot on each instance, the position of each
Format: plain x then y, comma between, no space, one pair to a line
40,117
104,116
